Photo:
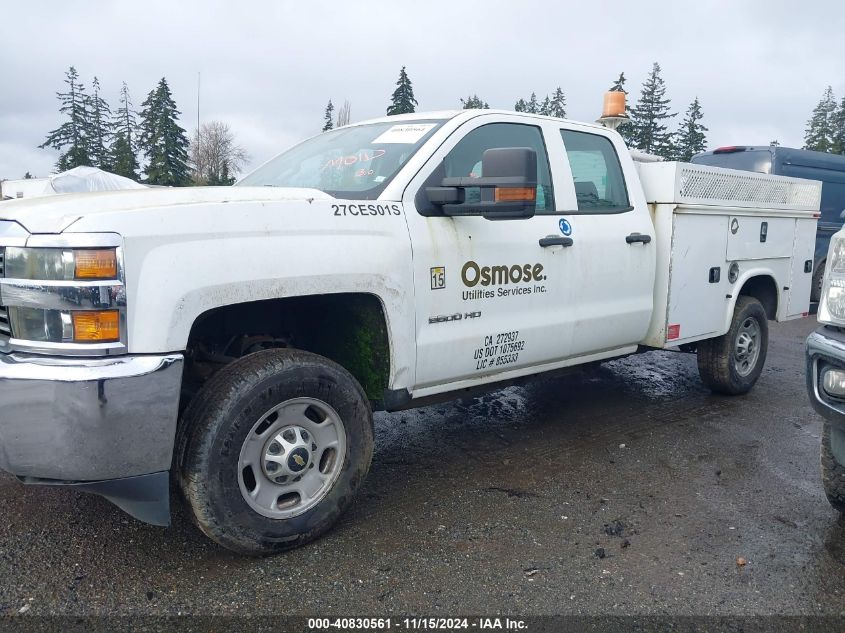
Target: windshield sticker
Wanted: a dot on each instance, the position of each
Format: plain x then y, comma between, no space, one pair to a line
408,134
346,161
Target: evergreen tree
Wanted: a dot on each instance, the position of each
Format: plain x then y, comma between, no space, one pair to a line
124,162
546,106
650,132
28,176
327,121
163,141
837,145
819,133
557,108
533,107
223,179
690,138
474,102
73,132
99,128
626,130
619,84
124,149
402,101
521,106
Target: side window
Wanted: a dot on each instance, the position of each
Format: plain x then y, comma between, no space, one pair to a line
465,158
599,183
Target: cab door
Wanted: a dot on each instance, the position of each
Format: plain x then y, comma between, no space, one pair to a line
611,264
489,297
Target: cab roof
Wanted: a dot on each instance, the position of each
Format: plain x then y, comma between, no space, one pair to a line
446,115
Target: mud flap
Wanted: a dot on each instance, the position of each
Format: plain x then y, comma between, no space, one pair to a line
145,497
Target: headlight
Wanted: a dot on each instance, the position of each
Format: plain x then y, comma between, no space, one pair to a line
64,300
52,264
61,326
43,326
832,304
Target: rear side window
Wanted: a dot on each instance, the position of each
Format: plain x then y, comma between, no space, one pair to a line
599,183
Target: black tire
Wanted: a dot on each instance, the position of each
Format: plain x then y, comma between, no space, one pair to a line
717,365
833,472
223,413
818,278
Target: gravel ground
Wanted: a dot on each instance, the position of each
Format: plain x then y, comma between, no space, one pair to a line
627,490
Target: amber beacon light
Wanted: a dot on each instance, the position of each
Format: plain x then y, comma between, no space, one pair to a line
614,104
614,110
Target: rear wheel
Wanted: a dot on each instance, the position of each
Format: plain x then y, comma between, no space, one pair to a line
732,363
273,449
833,470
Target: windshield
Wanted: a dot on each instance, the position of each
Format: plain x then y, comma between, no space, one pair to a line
353,162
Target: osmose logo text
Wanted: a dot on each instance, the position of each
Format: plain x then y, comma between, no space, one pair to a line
472,274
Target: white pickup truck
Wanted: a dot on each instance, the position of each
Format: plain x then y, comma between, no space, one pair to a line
240,337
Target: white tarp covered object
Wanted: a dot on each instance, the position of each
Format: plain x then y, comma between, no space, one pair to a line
76,180
82,179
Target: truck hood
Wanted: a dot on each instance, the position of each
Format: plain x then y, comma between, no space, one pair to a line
54,214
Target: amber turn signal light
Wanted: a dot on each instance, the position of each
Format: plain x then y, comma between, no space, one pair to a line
96,264
516,194
96,327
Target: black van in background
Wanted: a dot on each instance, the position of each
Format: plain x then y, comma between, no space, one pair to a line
798,163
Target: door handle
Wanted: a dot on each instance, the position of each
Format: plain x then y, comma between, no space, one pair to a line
556,241
638,237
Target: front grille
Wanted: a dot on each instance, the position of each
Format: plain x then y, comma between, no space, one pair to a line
5,326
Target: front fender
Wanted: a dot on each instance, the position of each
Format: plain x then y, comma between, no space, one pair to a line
183,263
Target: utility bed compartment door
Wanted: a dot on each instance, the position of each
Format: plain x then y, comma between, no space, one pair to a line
801,271
696,301
755,237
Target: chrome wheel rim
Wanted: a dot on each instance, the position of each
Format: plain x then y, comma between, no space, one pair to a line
291,458
747,349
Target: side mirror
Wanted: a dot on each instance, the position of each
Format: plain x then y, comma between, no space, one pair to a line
507,189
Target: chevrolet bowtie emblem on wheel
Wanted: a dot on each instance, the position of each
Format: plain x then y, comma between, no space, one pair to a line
299,461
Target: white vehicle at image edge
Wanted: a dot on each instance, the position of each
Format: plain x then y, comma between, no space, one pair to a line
239,338
826,372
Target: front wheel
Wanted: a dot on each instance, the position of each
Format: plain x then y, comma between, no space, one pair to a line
273,449
833,470
732,363
818,281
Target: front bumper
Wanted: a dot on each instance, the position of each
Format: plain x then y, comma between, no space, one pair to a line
825,348
74,420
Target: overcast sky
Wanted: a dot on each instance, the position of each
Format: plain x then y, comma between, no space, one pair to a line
268,68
